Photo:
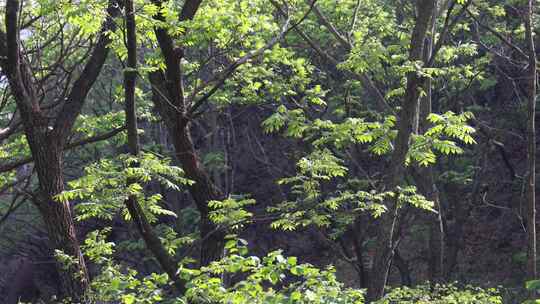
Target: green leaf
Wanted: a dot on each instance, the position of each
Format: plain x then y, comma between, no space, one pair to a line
532,285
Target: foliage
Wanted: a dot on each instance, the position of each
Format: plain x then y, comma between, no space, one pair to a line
442,294
240,278
333,87
231,212
272,279
335,209
443,136
104,188
115,282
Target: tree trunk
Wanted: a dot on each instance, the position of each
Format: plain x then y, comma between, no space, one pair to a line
387,239
426,178
47,142
48,158
203,190
531,145
436,241
151,240
168,97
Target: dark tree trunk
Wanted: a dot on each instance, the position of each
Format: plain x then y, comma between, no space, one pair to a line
403,268
203,190
387,238
57,216
426,178
151,240
168,97
531,144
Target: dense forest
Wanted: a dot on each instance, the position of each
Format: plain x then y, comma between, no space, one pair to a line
268,151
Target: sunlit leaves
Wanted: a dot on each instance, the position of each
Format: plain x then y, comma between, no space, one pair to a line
96,247
14,146
273,278
378,136
342,207
94,125
294,120
443,136
443,294
321,165
105,187
231,212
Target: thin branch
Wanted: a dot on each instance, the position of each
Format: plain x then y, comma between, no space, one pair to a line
331,28
366,82
15,164
353,21
447,28
14,206
498,35
222,77
81,87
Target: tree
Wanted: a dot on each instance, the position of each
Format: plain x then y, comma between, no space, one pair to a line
47,133
387,238
531,140
378,102
137,214
178,112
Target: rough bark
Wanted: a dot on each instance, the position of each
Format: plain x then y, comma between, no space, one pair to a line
58,218
387,239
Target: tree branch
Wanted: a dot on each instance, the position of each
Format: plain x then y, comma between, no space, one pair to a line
330,27
16,68
366,82
222,77
498,35
76,97
447,28
15,164
189,9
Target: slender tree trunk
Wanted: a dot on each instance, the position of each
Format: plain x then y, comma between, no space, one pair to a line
531,145
387,239
360,251
426,178
436,241
151,240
